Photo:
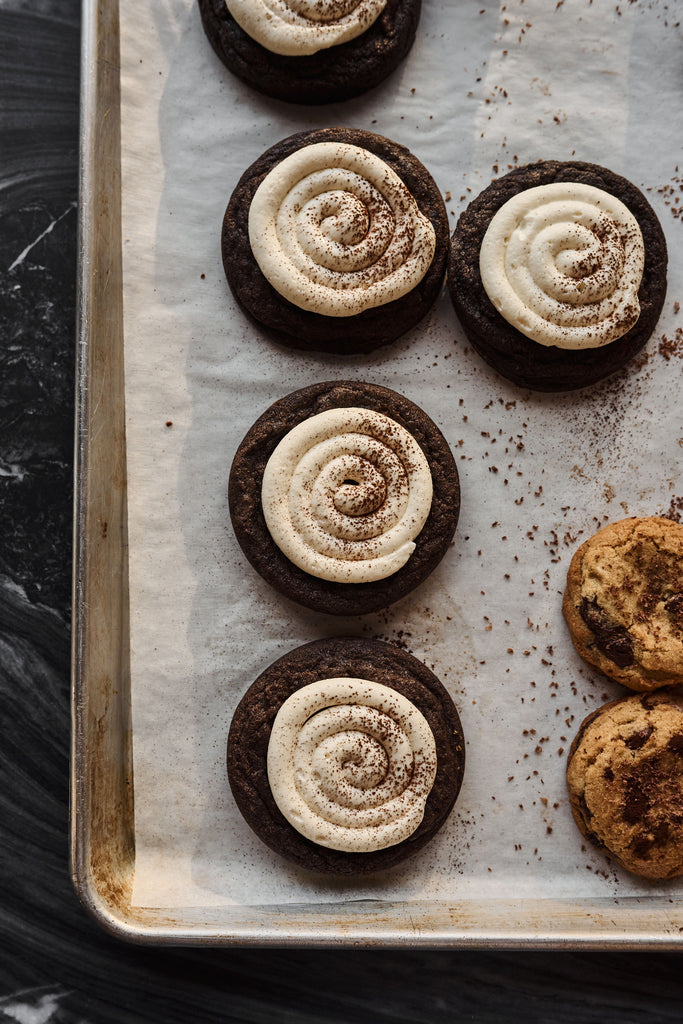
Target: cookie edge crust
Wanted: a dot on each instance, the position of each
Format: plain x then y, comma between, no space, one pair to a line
297,328
633,676
327,658
515,357
244,499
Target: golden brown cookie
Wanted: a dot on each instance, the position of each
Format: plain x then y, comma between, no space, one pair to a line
625,782
624,602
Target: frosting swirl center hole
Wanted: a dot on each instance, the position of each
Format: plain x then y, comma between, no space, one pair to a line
363,491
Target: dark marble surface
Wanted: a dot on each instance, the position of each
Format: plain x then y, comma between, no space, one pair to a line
55,963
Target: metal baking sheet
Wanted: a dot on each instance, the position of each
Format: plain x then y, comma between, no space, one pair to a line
103,785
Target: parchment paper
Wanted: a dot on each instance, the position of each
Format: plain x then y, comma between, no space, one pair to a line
484,88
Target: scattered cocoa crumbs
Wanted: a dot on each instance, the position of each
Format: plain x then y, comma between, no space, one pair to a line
671,347
673,193
675,510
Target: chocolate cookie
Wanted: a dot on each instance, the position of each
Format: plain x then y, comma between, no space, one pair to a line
557,264
352,234
353,765
327,75
623,602
625,782
351,513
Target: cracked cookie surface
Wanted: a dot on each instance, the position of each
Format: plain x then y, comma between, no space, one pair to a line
623,602
625,782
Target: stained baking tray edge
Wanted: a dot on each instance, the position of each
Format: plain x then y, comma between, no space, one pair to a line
102,833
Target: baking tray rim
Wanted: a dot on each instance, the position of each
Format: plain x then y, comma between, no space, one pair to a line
102,854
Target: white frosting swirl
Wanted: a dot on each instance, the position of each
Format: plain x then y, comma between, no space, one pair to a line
351,763
335,230
345,493
295,28
563,263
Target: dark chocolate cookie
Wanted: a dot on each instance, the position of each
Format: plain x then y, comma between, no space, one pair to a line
302,328
246,508
517,357
623,602
353,759
327,76
625,782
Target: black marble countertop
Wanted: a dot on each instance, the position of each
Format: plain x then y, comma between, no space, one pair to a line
56,964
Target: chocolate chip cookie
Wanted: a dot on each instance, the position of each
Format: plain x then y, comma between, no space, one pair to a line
625,782
623,602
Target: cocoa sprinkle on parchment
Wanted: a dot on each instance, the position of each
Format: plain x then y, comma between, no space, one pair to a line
670,347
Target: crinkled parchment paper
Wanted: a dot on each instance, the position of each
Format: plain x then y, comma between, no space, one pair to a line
484,88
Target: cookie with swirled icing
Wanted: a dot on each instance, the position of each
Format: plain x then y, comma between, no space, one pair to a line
305,51
346,755
335,240
557,273
344,496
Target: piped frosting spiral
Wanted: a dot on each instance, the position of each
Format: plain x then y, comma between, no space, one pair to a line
351,763
563,264
345,494
335,230
295,28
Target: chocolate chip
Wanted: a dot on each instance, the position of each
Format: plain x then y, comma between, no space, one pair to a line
674,606
661,832
642,847
619,649
636,803
610,638
592,615
676,743
638,739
